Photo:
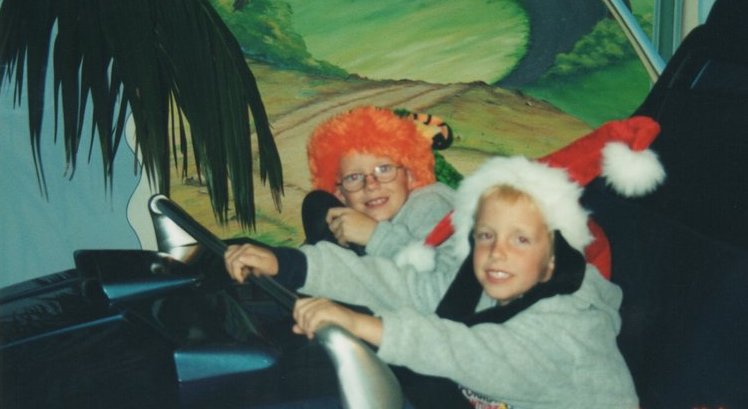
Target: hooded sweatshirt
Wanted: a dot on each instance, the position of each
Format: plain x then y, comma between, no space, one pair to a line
559,352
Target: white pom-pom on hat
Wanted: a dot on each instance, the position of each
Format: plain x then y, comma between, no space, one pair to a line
631,173
417,255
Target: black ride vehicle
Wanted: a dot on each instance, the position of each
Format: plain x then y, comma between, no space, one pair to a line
160,340
170,329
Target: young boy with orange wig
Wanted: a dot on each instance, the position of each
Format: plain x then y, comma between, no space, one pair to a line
375,186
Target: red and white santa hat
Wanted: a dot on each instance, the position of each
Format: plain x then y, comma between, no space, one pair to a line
617,151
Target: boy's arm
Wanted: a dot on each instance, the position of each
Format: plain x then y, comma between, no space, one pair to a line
287,265
376,282
312,313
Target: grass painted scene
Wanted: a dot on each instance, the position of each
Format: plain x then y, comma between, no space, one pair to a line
313,60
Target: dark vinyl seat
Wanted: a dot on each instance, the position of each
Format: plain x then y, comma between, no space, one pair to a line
701,102
681,254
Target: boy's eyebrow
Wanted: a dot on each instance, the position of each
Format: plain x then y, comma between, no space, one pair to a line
477,226
375,166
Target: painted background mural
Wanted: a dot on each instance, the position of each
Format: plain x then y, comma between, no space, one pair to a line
510,77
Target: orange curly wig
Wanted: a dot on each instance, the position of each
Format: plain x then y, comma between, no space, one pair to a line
368,130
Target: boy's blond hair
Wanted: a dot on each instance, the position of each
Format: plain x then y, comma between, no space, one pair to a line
512,195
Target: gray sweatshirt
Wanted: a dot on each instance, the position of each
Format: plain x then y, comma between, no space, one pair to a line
560,352
413,222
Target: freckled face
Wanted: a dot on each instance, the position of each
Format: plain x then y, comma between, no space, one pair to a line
512,248
380,201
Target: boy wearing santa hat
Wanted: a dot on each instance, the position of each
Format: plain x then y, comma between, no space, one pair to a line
525,322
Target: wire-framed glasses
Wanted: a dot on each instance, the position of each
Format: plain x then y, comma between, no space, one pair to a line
353,182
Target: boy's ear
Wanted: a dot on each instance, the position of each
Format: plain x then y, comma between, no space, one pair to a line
339,195
550,268
411,179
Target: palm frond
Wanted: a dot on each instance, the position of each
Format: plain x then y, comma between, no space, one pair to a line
162,59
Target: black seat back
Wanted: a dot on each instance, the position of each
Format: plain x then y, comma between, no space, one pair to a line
685,304
701,102
681,254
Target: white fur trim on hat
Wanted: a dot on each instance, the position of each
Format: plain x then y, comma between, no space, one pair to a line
555,193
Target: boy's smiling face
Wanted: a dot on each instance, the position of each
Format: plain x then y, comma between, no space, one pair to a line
380,201
512,247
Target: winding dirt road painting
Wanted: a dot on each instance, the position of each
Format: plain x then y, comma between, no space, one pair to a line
489,68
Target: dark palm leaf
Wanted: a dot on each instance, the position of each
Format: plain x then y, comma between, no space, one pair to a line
162,59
